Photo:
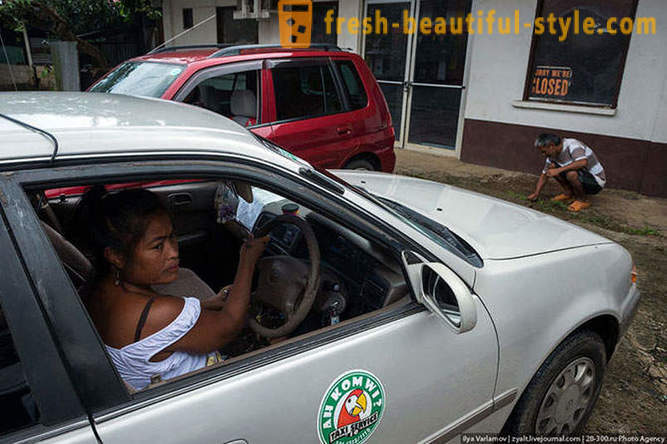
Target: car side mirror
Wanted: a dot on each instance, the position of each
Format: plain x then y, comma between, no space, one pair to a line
441,291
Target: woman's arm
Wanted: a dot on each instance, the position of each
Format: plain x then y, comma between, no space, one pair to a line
216,328
217,302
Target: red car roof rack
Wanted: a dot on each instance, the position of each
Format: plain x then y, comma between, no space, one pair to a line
187,47
236,50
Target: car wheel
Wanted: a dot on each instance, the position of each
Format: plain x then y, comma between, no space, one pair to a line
360,164
560,397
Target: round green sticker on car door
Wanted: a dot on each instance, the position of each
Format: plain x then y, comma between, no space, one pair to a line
351,409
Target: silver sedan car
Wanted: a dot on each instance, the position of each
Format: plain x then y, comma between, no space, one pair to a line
384,309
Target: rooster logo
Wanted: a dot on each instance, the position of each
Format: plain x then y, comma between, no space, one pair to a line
354,405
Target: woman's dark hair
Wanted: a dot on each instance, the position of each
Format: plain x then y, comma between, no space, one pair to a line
113,220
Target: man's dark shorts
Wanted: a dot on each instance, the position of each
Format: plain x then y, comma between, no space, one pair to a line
591,186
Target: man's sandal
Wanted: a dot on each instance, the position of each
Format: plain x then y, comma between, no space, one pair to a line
562,198
578,205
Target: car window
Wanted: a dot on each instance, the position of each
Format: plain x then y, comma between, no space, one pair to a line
305,91
354,88
233,95
16,402
356,275
147,79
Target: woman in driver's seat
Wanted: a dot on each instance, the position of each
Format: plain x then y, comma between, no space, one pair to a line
152,336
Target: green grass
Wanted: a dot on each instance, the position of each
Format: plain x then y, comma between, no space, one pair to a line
645,231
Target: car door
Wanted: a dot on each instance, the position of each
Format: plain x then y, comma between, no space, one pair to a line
38,399
310,117
422,374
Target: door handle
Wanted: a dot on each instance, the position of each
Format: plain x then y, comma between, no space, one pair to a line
344,131
180,199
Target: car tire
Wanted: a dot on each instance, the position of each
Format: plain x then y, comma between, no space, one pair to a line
360,164
560,397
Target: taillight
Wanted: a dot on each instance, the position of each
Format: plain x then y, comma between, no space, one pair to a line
633,275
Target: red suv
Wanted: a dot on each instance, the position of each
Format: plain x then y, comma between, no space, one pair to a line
321,103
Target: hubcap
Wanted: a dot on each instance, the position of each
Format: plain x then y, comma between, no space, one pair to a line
567,399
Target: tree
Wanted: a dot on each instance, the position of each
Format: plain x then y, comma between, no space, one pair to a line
69,19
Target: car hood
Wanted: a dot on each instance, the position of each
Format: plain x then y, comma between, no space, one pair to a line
494,228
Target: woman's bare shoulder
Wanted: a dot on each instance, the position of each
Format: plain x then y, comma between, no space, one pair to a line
163,311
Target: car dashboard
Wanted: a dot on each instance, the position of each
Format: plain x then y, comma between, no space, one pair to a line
360,275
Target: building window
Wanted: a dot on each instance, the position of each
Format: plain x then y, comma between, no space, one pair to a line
319,30
582,69
243,31
187,18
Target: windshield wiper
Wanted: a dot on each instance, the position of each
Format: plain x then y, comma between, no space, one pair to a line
460,246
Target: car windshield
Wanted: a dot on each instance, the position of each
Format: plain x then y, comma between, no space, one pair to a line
439,233
148,79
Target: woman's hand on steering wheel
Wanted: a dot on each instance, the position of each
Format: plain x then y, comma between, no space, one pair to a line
252,250
286,283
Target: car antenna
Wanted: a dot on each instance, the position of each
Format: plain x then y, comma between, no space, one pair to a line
157,48
40,131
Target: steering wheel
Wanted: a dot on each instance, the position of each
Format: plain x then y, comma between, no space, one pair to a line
283,281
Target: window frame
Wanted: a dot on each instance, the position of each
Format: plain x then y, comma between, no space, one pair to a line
220,25
274,63
335,62
539,12
225,69
188,15
292,186
41,354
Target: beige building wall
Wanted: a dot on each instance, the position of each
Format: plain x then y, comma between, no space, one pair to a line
202,10
630,141
498,69
268,30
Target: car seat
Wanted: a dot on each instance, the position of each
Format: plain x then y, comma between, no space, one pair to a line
80,269
244,107
209,98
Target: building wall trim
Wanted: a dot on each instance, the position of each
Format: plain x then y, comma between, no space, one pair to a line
631,164
531,104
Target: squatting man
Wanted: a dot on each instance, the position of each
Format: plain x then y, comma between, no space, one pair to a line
574,166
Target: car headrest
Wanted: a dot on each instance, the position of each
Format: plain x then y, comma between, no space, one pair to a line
186,285
75,262
315,82
244,103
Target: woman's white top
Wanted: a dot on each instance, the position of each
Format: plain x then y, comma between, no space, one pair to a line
133,361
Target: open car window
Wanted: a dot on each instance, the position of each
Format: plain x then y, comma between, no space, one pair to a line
211,218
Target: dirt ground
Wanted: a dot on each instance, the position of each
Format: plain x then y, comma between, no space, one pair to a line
634,392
